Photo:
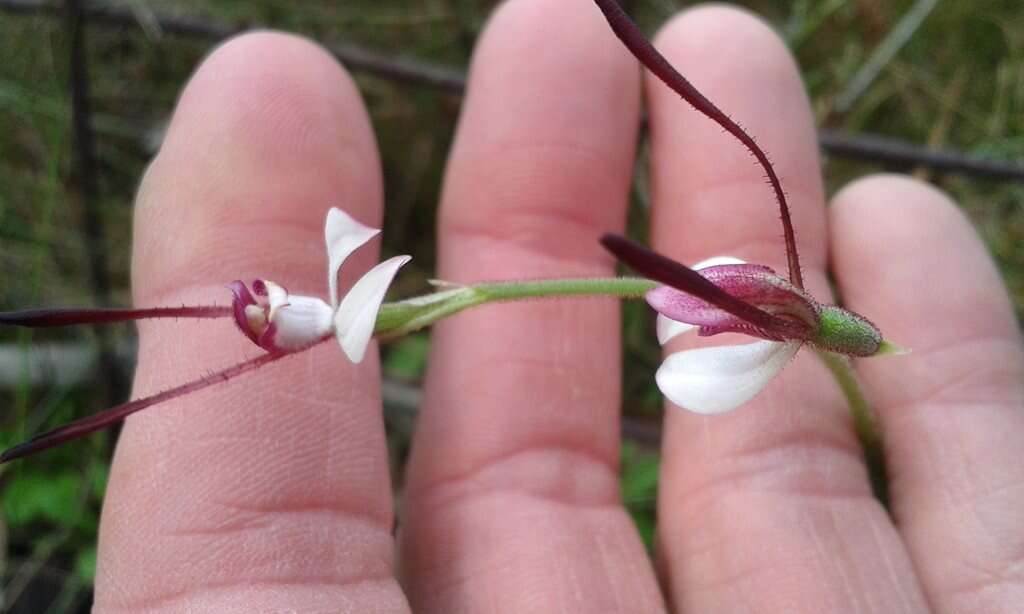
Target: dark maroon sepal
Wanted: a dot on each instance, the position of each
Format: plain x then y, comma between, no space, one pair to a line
44,318
642,49
107,417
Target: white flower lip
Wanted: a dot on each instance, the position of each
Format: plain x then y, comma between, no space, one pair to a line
715,380
300,322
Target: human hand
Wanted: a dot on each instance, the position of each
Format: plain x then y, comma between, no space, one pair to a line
271,493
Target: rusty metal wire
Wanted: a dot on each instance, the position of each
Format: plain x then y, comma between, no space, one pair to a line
889,152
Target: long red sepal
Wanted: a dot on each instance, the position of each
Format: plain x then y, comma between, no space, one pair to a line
671,273
107,417
643,50
43,318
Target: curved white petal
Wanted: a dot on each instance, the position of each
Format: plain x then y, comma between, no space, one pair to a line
717,379
357,315
343,235
716,261
668,329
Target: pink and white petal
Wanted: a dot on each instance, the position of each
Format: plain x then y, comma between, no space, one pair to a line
714,380
357,315
683,307
343,235
755,284
668,329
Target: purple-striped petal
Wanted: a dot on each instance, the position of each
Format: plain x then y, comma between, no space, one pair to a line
752,283
667,328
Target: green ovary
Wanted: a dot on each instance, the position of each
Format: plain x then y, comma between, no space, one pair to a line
845,332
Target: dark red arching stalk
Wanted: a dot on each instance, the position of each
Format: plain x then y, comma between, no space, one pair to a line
107,417
42,318
643,50
671,273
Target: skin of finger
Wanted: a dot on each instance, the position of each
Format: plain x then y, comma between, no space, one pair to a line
767,508
953,409
513,501
269,492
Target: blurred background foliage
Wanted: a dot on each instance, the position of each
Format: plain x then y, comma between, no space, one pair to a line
958,82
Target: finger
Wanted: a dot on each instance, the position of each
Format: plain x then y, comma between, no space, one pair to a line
269,492
767,508
513,489
952,409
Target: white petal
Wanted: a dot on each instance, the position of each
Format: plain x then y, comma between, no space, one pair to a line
344,235
716,261
717,379
277,297
301,322
668,329
357,315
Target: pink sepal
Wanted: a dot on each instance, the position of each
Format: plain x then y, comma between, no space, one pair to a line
753,283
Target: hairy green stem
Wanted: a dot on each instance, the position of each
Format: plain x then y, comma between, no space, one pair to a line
403,317
863,421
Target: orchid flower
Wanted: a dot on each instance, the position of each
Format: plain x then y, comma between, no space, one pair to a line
285,322
279,322
726,294
723,295
713,379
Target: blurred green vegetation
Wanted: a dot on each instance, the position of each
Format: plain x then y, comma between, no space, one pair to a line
959,83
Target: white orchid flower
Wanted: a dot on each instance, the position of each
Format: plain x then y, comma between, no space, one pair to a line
282,322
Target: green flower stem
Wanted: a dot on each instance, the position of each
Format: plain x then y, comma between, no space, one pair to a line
863,421
403,317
